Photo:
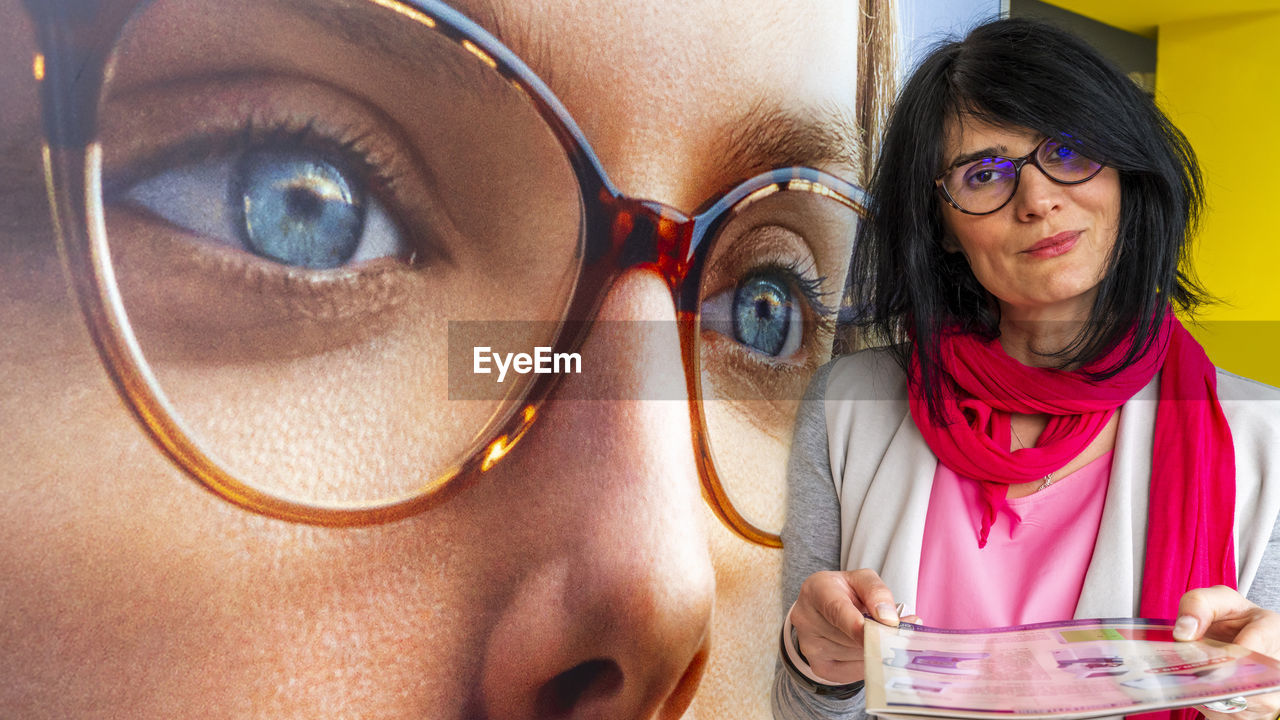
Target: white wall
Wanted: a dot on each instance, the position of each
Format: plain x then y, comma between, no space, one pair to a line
925,22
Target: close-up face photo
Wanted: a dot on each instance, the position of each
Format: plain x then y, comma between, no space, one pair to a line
268,270
458,359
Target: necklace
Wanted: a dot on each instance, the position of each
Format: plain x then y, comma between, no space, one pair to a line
1048,479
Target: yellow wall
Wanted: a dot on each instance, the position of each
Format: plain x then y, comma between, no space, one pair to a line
1219,79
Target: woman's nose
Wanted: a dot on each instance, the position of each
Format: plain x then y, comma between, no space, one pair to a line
612,619
1037,196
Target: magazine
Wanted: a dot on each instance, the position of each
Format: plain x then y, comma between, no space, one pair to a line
1071,669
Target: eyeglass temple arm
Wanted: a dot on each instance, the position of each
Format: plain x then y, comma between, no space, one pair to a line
74,38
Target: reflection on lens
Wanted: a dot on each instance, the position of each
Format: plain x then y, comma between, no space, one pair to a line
775,268
1064,163
293,231
983,185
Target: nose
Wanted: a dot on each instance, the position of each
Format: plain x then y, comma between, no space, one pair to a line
1037,196
611,620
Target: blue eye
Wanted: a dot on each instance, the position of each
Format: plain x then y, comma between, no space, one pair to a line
298,209
763,313
284,202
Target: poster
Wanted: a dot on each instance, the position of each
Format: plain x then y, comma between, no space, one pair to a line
483,547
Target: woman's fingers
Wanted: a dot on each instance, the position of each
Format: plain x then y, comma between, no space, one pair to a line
1219,608
836,601
828,618
1224,614
874,595
831,650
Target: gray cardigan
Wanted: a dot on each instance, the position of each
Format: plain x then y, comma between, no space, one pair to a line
861,475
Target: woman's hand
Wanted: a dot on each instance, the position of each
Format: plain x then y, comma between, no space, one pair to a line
828,620
1223,614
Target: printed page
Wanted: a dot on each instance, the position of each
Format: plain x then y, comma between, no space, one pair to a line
1074,669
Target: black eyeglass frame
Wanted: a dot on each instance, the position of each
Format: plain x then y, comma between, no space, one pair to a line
75,40
1032,157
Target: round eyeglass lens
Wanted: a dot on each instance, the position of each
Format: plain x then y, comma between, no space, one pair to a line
770,286
982,185
332,227
1064,163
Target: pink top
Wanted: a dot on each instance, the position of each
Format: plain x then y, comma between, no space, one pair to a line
1031,570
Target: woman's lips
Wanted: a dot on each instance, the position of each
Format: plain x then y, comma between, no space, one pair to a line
1054,245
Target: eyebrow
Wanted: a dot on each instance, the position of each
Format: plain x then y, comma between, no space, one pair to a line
767,137
994,151
764,137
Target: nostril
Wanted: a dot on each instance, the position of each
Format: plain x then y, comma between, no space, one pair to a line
583,683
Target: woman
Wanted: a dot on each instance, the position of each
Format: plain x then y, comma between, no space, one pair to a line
1046,403
575,570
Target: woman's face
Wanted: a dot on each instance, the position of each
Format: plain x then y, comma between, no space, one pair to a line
1043,254
582,576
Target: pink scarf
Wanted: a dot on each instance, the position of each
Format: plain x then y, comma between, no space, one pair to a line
1192,497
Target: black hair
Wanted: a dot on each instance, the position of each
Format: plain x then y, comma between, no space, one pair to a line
1023,73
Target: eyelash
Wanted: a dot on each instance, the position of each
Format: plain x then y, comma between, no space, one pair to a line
810,288
308,138
250,136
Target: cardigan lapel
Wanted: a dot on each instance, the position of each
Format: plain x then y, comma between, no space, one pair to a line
1112,583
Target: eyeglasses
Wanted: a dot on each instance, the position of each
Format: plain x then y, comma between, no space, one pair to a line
983,186
292,226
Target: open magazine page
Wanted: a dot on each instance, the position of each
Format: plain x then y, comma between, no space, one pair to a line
1073,669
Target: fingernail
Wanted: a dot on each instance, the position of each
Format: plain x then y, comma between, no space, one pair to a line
886,614
1185,628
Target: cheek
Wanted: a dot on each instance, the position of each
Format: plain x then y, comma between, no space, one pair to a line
976,237
135,572
1101,197
749,611
961,233
1111,209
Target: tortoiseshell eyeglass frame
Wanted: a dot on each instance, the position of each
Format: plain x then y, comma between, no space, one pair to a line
75,41
1018,163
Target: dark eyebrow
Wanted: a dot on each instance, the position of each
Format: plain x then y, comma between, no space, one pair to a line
768,136
996,151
